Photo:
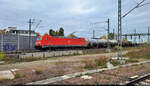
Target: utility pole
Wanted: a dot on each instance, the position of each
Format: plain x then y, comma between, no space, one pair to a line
114,33
108,31
2,42
93,34
135,36
148,35
30,25
120,31
18,42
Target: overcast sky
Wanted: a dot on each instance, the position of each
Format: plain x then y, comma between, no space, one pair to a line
73,15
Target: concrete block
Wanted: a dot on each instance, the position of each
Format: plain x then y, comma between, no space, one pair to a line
38,55
1,62
48,54
25,56
80,52
65,53
6,75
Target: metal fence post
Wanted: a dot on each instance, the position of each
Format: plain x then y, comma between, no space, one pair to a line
2,41
18,43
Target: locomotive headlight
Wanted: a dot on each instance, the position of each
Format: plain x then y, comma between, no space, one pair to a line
38,43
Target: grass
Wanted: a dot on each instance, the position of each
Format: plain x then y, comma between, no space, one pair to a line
4,80
114,62
101,61
131,61
92,64
14,60
1,55
59,69
143,53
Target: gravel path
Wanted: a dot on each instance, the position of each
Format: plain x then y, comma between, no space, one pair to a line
47,63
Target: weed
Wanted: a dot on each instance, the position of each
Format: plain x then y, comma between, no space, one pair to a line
79,75
114,62
101,61
90,64
131,61
116,47
60,68
86,73
96,83
1,55
4,80
17,75
14,60
38,72
140,53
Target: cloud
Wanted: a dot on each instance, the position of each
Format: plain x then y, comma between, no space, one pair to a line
17,4
80,10
72,15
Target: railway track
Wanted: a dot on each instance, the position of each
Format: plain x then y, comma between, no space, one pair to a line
140,81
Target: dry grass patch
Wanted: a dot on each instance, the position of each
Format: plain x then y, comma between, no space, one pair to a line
143,53
114,62
92,64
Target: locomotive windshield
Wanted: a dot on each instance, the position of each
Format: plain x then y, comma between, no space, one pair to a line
39,38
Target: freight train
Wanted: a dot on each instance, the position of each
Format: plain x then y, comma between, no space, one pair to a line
51,42
55,42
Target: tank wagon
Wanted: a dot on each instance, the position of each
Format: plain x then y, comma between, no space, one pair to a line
50,42
100,43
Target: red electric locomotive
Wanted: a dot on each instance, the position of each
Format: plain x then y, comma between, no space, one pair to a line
48,41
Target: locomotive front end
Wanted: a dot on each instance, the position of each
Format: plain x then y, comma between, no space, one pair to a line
38,43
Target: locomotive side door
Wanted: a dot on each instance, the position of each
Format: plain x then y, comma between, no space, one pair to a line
46,41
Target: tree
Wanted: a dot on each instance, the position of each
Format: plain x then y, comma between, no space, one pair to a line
52,32
2,31
103,37
37,34
61,32
71,35
57,33
45,34
111,36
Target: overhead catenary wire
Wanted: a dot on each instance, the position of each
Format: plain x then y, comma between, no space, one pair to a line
140,4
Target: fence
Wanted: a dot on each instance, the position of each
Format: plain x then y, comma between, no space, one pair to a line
14,42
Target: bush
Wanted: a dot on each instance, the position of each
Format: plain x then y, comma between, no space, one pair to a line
101,61
116,47
90,64
1,55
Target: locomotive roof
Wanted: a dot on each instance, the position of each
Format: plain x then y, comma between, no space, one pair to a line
64,37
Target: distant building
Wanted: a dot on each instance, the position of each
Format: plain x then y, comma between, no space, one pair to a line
13,30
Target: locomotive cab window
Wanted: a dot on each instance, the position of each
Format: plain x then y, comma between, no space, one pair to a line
39,38
46,38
